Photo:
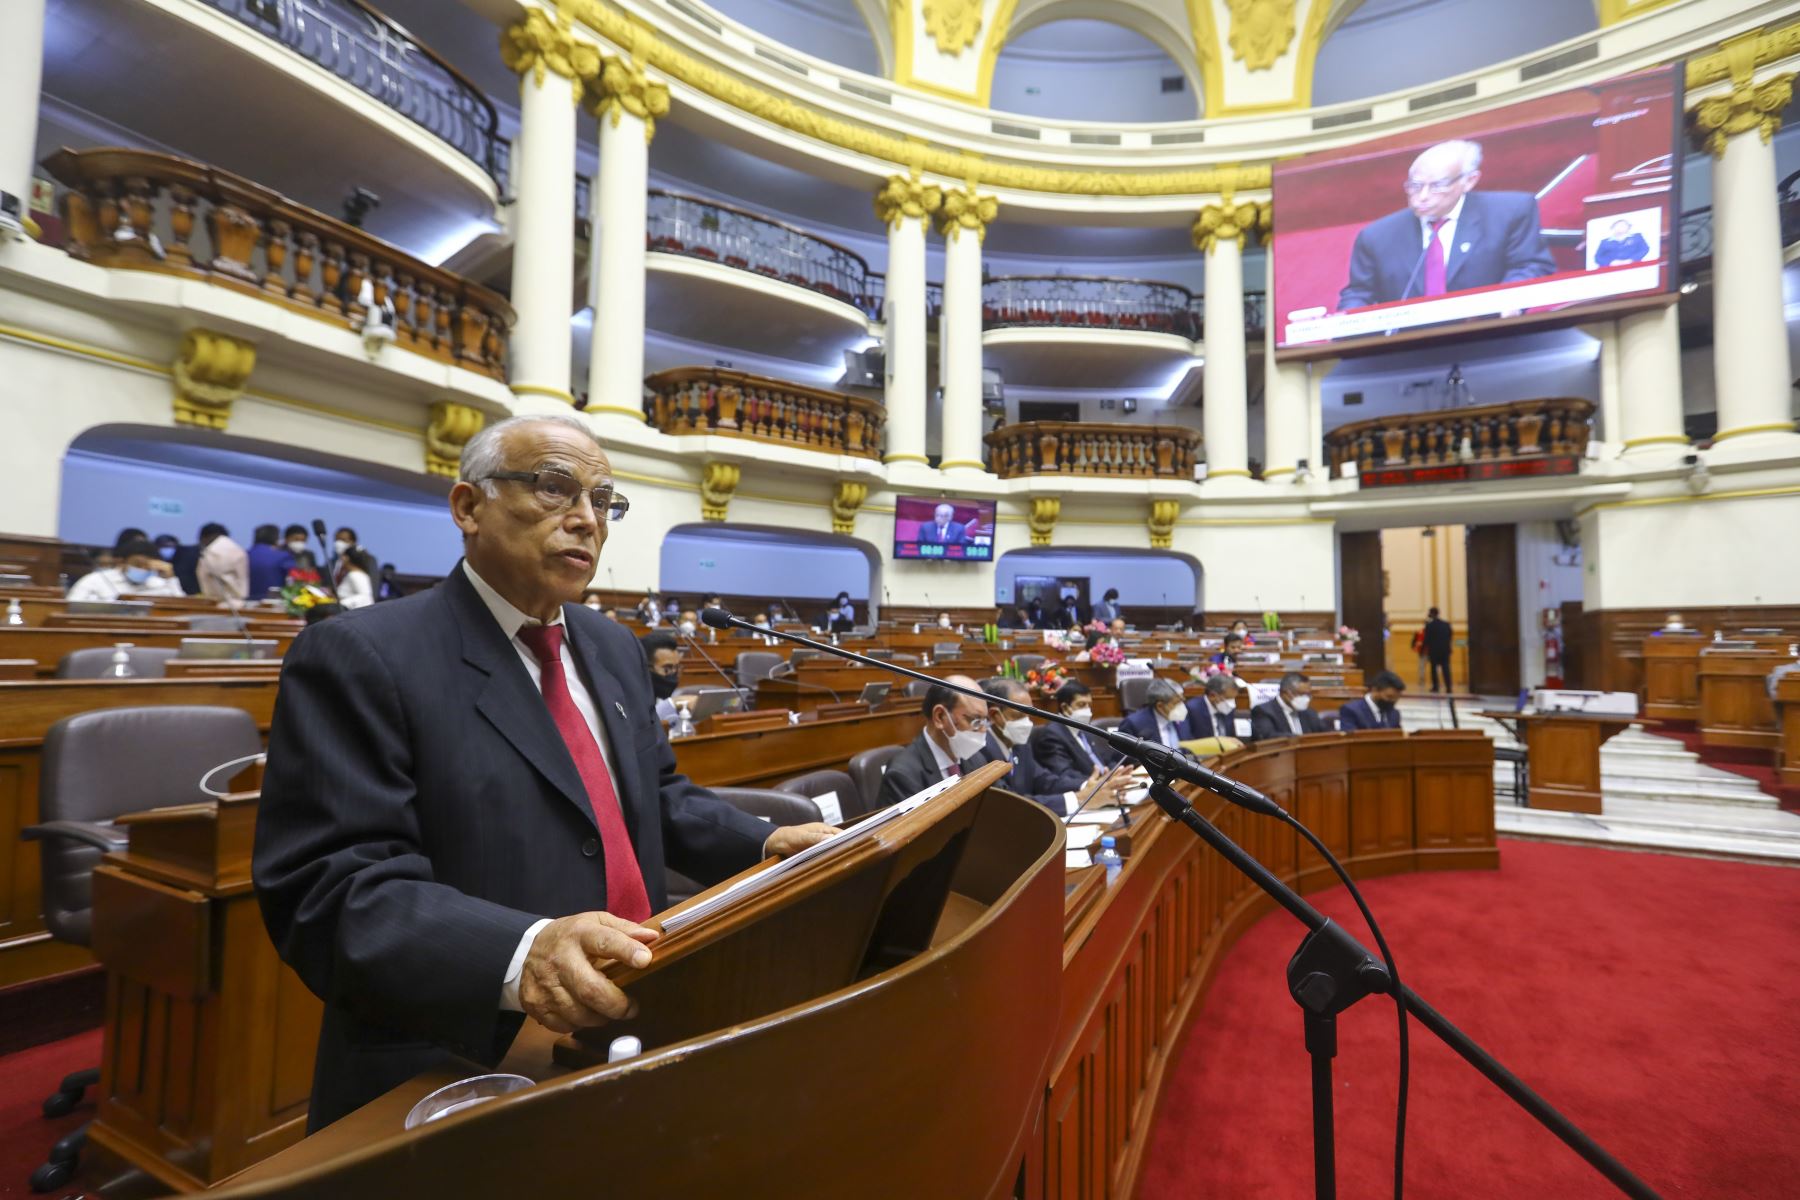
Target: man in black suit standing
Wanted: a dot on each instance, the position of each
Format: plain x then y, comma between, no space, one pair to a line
1067,757
1448,237
1010,741
1438,640
1290,714
944,529
953,742
469,799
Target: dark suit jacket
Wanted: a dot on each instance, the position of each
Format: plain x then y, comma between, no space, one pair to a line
955,532
1063,766
1360,714
1628,249
1026,778
1438,639
1142,723
420,811
1268,721
1499,239
1204,723
914,769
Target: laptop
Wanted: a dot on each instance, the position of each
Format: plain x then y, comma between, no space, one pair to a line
713,701
874,694
228,647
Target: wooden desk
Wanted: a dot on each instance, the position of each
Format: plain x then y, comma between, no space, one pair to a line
1672,676
1563,755
48,646
26,951
1787,705
1735,708
764,758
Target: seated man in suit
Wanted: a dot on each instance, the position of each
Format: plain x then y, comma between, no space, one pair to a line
1011,742
1214,714
1380,709
1066,757
944,529
1164,717
953,741
469,800
1623,245
1290,714
1448,237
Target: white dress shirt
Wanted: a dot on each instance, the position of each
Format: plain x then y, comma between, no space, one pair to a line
355,591
1293,718
511,620
1165,729
110,584
1446,234
944,761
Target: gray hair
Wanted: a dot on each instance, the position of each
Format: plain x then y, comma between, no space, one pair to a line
1293,680
482,454
1216,684
1467,152
1161,691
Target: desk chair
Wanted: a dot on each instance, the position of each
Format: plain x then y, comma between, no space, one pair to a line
1030,662
866,770
1133,692
166,750
778,808
147,662
817,783
753,665
218,624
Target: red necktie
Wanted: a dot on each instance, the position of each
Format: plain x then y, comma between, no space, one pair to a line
1434,261
625,894
953,770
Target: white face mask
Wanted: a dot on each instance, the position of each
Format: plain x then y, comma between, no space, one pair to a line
1084,713
966,742
1300,703
297,547
943,622
687,627
1225,707
1174,715
341,546
1017,730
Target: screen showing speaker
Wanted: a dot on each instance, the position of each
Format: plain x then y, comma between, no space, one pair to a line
952,530
1565,204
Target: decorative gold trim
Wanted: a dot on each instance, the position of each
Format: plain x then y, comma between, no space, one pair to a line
1612,12
209,372
906,153
845,500
718,480
1747,106
532,389
1737,58
1231,220
953,24
1044,511
1741,430
619,87
903,197
1271,472
1650,501
918,458
451,427
966,209
620,409
1227,474
961,462
1261,31
539,44
1673,439
1163,514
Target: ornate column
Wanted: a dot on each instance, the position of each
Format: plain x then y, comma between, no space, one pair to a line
626,102
1648,408
963,220
21,76
1219,232
551,64
1287,420
1316,371
904,205
1750,357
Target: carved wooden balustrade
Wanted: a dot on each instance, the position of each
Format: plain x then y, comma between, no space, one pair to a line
1487,433
692,400
139,210
1093,448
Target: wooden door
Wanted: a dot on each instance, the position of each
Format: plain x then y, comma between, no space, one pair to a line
1364,597
1581,658
1492,554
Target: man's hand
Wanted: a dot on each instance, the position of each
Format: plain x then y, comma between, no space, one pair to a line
561,989
791,839
1110,792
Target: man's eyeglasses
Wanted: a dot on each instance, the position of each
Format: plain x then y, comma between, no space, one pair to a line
557,489
1435,187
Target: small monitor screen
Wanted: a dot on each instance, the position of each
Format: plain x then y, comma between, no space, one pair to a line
952,530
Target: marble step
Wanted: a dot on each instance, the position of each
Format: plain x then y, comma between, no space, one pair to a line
1686,791
1733,840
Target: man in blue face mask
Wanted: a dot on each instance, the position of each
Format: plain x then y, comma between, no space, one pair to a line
140,572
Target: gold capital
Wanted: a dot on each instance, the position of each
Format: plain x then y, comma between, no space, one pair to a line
451,427
1231,220
1747,106
952,24
1737,58
718,480
903,197
1162,522
966,209
1044,511
620,86
210,372
1261,31
540,44
848,497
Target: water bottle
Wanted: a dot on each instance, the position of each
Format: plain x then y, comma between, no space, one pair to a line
1109,858
14,614
121,662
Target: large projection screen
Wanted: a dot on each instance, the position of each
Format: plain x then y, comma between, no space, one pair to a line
1545,210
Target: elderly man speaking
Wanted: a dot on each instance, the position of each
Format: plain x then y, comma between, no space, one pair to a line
469,799
1449,237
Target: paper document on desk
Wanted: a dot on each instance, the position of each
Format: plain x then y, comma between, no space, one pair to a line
1095,816
1080,837
754,885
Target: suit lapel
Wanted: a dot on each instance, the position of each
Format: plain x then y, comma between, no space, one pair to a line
609,702
1468,233
506,697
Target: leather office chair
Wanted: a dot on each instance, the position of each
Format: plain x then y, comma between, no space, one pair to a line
147,662
166,749
817,783
753,665
1030,662
776,807
218,624
1132,692
917,689
866,770
946,649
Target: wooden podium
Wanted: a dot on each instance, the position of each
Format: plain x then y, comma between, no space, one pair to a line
879,1024
1563,750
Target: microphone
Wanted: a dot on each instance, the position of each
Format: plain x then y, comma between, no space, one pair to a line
237,611
1426,249
318,528
1158,759
1089,798
695,643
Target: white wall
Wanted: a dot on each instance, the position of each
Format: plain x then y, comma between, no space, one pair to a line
735,561
1147,577
1549,574
1033,78
1693,552
826,29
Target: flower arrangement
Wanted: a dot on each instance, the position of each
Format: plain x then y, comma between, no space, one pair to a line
1046,677
1347,638
1055,639
1106,654
1271,621
302,591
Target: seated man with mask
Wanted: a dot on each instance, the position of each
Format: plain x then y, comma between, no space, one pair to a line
1214,713
1164,717
954,740
141,572
1380,709
665,671
1066,757
1011,742
1289,714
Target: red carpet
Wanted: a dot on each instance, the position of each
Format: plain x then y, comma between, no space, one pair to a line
1648,997
1751,764
26,1077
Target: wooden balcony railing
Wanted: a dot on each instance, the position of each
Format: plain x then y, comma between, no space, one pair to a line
1076,448
138,210
691,400
1487,433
